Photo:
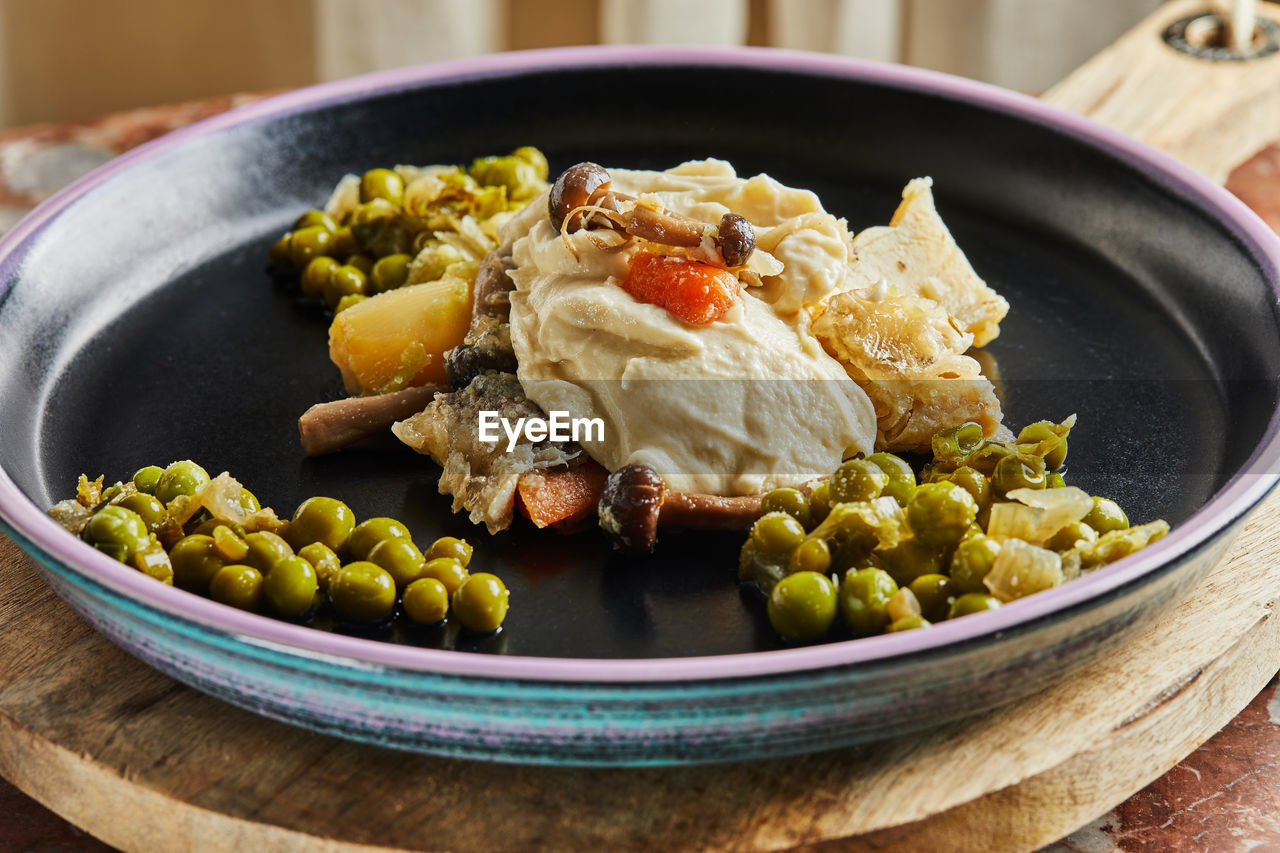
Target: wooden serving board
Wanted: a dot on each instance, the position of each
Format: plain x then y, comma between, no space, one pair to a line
146,763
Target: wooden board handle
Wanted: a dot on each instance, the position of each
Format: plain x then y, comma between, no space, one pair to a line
1212,114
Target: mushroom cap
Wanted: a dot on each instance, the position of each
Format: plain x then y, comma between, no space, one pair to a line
629,507
736,239
574,188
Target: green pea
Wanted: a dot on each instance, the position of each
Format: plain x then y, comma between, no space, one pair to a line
321,519
972,560
147,478
452,548
1066,538
313,218
111,493
343,242
249,501
279,251
231,547
811,555
308,243
1106,516
264,549
519,176
900,490
777,533
762,569
323,560
360,261
1051,434
401,558
975,483
972,602
382,184
344,281
202,522
290,586
372,213
819,503
894,466
857,480
988,455
1014,472
911,558
316,275
181,478
426,601
908,623
447,570
954,444
148,507
802,606
195,562
936,593
153,561
390,272
481,602
864,599
237,585
791,501
347,301
117,531
370,532
940,513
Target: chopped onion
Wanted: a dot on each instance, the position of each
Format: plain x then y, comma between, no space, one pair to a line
221,497
1116,544
1038,513
1022,569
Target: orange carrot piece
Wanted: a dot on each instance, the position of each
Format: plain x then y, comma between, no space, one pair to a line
562,497
695,292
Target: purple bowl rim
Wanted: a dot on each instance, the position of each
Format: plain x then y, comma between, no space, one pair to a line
1245,490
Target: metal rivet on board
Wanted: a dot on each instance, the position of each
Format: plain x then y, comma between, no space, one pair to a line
1202,36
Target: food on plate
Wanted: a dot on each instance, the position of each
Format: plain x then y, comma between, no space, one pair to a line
394,253
988,522
690,313
679,348
211,536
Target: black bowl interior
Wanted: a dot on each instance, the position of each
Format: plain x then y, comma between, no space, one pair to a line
141,326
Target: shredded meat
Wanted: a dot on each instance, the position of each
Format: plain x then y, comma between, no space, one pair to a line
481,477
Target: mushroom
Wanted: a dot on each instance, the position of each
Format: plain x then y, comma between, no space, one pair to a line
581,197
735,239
327,427
629,507
574,189
635,502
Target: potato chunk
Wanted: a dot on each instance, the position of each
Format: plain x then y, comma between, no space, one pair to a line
398,339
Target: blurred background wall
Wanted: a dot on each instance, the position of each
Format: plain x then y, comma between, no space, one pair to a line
63,60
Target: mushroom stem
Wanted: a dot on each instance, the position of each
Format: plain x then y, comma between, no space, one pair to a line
666,227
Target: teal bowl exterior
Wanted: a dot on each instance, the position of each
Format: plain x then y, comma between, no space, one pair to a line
633,723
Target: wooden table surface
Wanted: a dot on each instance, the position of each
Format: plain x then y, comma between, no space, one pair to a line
1223,797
